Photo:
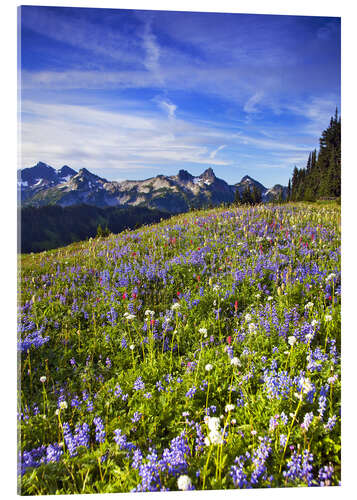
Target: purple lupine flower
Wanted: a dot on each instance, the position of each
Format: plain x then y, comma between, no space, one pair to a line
239,477
159,386
82,435
330,424
99,430
69,439
299,468
118,391
139,384
136,417
308,418
325,475
282,439
322,405
191,392
53,453
137,459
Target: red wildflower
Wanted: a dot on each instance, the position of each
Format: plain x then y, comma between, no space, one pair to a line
229,339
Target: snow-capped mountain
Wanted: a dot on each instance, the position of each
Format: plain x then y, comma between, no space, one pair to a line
41,176
43,185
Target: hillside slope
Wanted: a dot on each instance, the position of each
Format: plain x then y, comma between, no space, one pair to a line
202,352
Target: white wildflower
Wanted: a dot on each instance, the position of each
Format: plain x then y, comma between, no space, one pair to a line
252,328
203,331
331,277
328,317
175,306
228,408
309,305
208,367
63,405
213,423
314,322
306,385
248,317
214,437
43,379
235,362
184,483
132,347
292,340
149,313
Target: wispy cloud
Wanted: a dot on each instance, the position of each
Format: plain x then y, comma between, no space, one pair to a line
214,152
251,105
152,50
271,145
167,106
112,139
83,33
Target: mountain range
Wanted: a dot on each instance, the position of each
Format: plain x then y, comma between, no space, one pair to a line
42,185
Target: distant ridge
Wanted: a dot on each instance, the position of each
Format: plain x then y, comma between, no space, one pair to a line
43,185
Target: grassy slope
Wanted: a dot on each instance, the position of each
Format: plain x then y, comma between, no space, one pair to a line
219,266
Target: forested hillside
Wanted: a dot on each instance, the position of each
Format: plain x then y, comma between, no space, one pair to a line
321,178
45,228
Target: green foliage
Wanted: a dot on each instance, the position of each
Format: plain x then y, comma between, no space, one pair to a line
48,227
250,196
322,176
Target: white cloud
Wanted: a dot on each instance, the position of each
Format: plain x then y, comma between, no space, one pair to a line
251,105
167,106
317,111
270,144
86,137
213,153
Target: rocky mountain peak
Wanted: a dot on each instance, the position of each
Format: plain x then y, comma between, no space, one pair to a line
184,176
208,174
246,178
65,171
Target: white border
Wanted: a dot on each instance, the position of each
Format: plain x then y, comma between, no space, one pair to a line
344,9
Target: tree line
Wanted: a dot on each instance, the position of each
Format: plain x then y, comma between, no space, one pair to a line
321,178
249,196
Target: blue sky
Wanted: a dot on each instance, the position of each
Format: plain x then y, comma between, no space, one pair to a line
132,94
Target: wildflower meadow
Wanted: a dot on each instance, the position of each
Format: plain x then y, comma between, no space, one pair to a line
199,353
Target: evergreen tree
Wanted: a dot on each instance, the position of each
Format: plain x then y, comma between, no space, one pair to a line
256,195
237,197
99,231
322,175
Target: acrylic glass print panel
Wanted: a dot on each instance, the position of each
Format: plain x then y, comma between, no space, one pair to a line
179,189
